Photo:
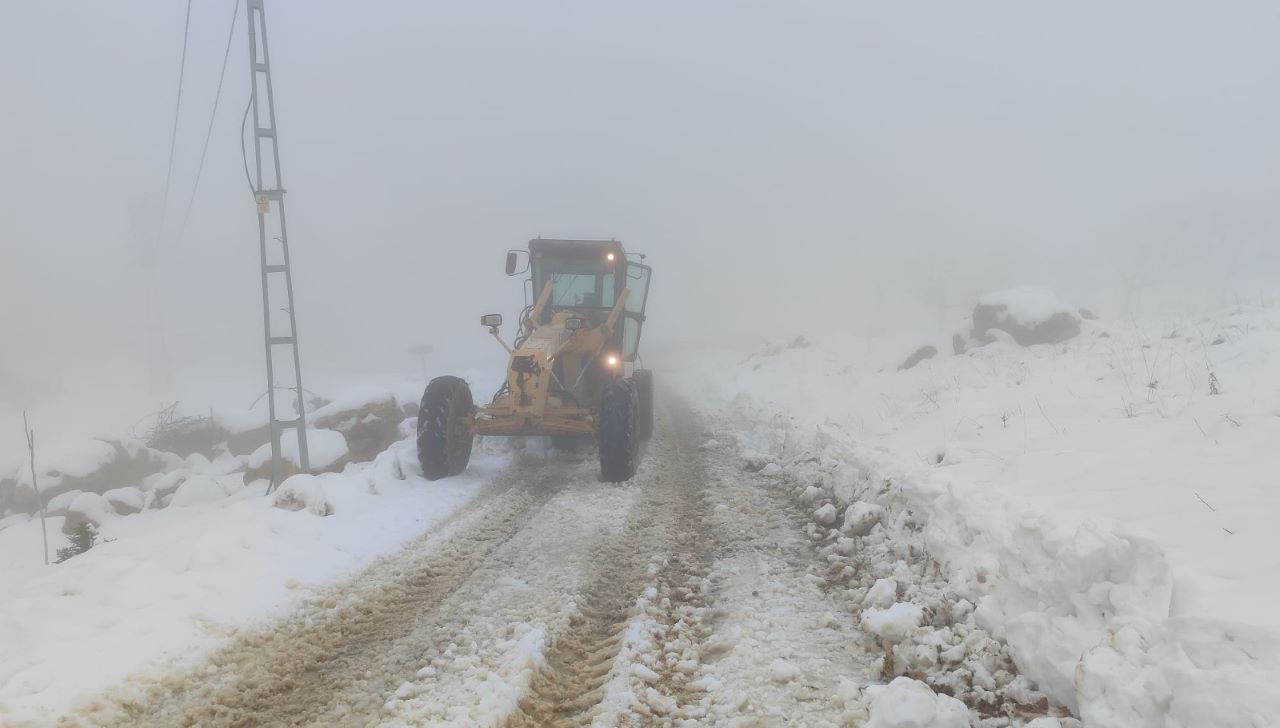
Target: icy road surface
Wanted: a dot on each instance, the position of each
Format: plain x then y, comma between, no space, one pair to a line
684,597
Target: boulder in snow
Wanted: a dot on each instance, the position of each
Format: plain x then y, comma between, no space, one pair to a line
92,466
90,508
919,355
247,441
59,504
1030,314
369,427
907,703
327,450
126,501
303,492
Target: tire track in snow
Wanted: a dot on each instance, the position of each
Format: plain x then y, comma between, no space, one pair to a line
349,637
743,633
666,534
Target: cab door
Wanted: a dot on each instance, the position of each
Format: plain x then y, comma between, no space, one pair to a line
633,314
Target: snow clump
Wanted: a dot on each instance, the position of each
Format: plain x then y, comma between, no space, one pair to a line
894,623
303,491
907,703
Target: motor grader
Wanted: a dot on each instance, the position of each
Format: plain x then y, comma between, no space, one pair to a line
571,368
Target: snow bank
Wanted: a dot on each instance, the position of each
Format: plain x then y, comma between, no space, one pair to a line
174,582
1107,504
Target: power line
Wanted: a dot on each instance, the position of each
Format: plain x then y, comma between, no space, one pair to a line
235,12
244,155
173,141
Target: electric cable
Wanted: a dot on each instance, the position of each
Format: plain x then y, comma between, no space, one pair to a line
244,153
226,55
177,108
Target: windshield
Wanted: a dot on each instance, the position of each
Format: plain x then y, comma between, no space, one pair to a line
577,283
582,289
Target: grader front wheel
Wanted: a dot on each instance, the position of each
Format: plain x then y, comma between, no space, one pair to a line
445,433
619,436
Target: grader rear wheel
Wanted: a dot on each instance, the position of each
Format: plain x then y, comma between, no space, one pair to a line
445,433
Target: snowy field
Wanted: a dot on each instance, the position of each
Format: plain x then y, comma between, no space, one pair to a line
1100,507
1108,502
164,586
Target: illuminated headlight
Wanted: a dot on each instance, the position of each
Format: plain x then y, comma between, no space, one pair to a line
612,361
610,257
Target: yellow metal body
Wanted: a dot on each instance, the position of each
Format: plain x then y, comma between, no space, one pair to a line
556,375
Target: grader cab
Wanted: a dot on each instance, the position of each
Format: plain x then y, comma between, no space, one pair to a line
571,371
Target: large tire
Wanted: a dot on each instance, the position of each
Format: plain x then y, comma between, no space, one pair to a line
445,433
643,381
618,436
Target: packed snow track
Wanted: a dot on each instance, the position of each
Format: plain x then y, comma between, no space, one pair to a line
685,597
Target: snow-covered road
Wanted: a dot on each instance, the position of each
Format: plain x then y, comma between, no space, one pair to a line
699,594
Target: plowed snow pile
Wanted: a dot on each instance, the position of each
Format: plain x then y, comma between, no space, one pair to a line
1106,505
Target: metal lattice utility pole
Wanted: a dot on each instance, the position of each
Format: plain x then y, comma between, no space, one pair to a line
269,194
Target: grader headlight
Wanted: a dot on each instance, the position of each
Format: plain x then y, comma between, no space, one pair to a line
612,361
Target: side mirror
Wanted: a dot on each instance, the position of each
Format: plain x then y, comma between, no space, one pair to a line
514,266
493,320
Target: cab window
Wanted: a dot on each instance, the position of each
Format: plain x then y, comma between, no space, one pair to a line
575,283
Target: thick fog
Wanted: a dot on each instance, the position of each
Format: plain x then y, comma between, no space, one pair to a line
787,167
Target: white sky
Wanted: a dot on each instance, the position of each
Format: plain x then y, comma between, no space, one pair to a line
788,167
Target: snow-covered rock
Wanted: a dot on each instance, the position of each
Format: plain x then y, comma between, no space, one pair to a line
58,504
87,508
368,419
300,492
126,501
1030,314
91,465
198,489
907,703
894,623
326,449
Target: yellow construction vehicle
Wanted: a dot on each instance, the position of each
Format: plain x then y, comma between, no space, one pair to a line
571,371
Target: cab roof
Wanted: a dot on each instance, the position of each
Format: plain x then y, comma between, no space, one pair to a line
570,247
